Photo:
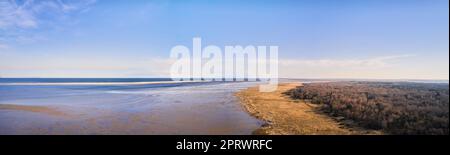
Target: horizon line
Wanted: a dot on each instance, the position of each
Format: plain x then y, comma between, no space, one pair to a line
296,78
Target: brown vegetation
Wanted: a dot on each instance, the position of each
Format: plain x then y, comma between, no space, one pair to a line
394,107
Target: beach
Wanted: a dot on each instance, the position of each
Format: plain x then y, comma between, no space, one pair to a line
285,116
123,106
142,106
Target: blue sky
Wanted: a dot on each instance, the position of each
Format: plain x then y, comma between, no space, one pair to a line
385,39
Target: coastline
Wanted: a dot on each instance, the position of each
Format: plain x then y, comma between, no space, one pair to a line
286,116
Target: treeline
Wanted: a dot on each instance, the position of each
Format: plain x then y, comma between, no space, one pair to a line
394,107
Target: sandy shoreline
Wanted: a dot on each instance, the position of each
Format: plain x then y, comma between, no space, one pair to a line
285,116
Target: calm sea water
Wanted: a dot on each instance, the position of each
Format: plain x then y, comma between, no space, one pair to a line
74,80
123,106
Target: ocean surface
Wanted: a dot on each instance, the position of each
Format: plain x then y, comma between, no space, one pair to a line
122,106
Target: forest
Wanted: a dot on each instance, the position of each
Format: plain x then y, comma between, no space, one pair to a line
393,107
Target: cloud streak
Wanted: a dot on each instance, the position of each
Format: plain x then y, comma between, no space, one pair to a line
3,46
159,67
376,67
26,15
375,62
19,20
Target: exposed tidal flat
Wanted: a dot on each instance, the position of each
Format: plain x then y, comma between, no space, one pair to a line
124,108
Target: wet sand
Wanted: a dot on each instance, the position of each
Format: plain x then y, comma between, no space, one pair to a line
285,116
187,109
35,109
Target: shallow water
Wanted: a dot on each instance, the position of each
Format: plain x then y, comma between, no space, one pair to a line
166,108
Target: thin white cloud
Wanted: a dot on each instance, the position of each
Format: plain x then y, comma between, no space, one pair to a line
376,67
26,15
19,20
3,47
369,62
13,15
80,66
383,67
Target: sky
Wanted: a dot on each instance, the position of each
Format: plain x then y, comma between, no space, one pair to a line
367,39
